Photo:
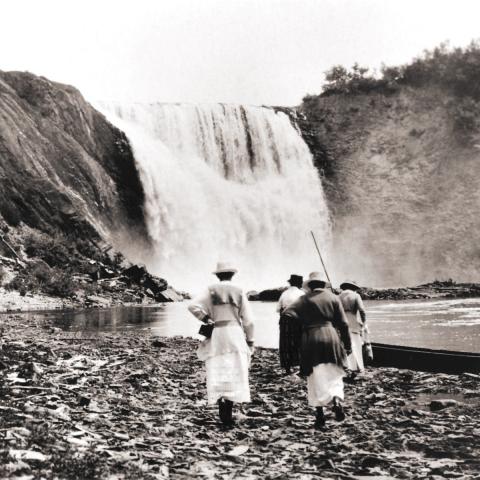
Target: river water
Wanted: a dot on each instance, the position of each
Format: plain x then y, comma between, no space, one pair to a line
438,324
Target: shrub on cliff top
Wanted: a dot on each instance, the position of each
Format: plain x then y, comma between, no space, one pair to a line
457,70
355,81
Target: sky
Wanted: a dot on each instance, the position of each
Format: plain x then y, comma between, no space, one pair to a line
260,52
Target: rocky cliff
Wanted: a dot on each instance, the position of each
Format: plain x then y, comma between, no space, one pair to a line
70,198
63,167
401,177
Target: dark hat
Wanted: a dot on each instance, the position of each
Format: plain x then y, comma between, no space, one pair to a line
295,279
350,285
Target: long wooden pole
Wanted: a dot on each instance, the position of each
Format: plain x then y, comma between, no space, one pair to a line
321,259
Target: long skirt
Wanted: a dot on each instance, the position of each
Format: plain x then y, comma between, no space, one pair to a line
227,377
324,383
355,359
289,342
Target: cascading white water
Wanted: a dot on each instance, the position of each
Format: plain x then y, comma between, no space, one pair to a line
225,182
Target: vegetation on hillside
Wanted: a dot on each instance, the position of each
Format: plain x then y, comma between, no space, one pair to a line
53,261
457,69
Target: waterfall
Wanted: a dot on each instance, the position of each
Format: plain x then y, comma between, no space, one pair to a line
225,182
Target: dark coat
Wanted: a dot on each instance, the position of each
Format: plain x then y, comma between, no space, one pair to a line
324,329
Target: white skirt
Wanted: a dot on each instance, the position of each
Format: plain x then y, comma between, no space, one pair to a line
227,377
355,359
324,383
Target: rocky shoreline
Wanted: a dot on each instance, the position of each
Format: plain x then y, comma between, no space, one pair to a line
114,291
133,406
33,285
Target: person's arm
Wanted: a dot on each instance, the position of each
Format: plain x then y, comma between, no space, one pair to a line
201,307
341,324
361,310
247,320
294,310
280,304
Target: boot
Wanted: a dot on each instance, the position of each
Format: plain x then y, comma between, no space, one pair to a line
320,418
351,378
225,411
221,409
338,410
228,413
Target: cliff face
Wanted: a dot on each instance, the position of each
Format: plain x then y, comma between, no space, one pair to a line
402,184
62,165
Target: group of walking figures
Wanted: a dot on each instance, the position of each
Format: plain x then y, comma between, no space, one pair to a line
320,332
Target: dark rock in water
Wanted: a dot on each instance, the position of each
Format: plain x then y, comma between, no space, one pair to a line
271,295
440,404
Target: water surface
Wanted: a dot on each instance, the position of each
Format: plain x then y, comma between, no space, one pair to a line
440,324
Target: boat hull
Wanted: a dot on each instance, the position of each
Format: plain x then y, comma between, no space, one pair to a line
424,359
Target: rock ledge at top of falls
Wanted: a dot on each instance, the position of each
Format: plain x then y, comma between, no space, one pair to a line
63,166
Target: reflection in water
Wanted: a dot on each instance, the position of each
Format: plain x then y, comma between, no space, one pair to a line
442,324
165,319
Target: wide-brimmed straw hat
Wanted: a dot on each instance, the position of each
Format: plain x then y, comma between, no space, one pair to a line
295,279
350,285
316,277
225,267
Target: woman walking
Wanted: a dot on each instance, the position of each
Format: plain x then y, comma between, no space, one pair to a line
353,306
289,333
228,351
322,349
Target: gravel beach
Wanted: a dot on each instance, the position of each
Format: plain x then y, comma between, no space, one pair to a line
130,405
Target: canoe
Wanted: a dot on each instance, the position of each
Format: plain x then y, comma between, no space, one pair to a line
425,359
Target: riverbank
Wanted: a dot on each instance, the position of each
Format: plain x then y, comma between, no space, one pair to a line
12,301
434,290
133,406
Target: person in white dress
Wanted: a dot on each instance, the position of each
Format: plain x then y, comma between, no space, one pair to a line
355,311
228,351
289,335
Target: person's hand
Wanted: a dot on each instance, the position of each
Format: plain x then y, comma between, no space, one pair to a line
348,351
251,346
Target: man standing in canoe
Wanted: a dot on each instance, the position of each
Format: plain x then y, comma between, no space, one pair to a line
353,306
289,330
228,351
325,341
